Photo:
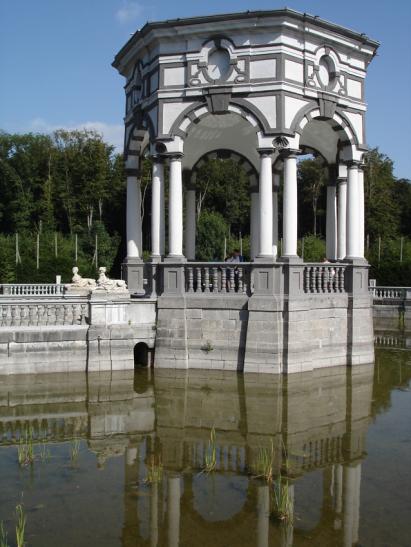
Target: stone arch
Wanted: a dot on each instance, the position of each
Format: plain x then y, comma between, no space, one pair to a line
326,112
195,112
242,160
137,136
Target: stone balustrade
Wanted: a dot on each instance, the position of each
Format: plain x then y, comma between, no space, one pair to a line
31,289
217,277
18,314
382,294
324,278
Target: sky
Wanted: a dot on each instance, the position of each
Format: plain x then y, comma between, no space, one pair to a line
56,55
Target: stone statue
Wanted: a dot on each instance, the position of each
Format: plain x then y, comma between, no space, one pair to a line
81,281
78,282
110,285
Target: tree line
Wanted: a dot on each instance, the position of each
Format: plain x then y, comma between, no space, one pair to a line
62,193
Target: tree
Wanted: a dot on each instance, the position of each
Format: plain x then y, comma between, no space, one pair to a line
211,231
382,215
312,177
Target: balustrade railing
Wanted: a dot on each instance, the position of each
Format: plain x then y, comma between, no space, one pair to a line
32,289
218,277
388,293
324,278
38,314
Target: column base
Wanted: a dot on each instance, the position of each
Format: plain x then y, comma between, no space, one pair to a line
291,259
267,259
133,270
173,259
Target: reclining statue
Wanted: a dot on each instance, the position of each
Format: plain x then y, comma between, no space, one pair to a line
110,285
78,282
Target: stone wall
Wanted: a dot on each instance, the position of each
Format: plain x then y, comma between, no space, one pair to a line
58,335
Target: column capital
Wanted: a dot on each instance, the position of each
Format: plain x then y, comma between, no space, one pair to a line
265,151
289,153
353,164
132,172
157,158
174,156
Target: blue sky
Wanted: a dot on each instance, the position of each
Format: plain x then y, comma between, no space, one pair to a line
55,61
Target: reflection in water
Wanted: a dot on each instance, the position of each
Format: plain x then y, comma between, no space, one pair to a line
316,422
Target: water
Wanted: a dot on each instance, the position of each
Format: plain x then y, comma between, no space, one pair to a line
342,437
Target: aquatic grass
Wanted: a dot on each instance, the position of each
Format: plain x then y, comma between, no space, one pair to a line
210,454
25,450
74,450
154,470
20,525
3,536
282,500
45,453
264,466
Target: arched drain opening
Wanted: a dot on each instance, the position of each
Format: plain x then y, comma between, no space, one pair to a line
143,355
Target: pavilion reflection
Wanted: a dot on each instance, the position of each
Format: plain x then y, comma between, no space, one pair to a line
317,420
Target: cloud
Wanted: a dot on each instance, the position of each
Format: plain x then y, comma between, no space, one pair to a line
129,12
112,133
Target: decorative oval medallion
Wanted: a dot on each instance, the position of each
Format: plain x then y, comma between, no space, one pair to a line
218,64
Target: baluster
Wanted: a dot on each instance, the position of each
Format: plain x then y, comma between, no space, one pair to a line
198,271
317,279
306,279
223,279
342,280
206,279
323,279
240,279
232,280
190,279
215,279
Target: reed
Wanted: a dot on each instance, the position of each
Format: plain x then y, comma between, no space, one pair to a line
282,500
210,455
74,450
25,450
3,536
264,466
154,470
20,525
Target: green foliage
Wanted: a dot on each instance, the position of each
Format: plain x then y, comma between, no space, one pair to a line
211,231
314,248
389,270
223,187
70,182
312,178
382,214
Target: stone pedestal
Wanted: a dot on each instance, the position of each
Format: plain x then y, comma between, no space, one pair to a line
133,273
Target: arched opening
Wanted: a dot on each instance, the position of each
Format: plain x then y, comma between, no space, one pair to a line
141,355
223,181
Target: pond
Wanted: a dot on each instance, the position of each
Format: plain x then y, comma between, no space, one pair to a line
210,458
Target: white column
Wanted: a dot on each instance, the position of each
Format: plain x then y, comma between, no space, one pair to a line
353,216
350,479
263,511
134,235
361,234
342,218
154,515
331,222
276,187
175,209
190,227
254,225
156,191
266,206
356,502
290,206
174,494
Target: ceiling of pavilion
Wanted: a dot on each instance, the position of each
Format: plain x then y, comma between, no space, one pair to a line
221,131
